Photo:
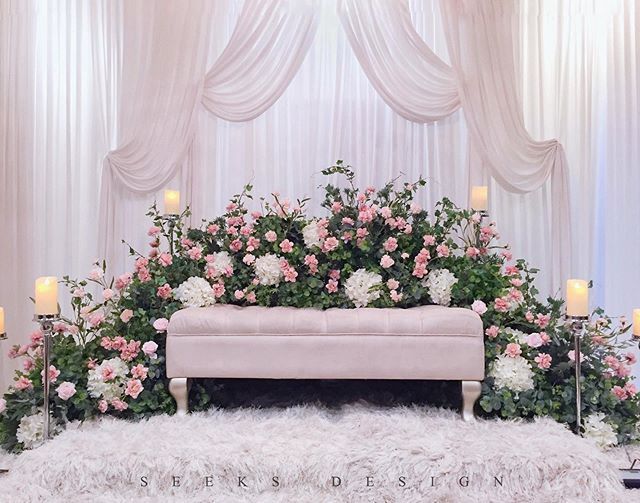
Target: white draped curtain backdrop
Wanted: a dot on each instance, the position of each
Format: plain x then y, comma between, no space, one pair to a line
206,96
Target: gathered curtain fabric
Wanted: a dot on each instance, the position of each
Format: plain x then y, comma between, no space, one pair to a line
165,81
482,79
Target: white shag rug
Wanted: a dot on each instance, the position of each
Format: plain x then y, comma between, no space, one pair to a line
304,447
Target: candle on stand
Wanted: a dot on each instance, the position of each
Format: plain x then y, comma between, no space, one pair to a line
479,197
2,330
171,202
636,322
577,298
47,295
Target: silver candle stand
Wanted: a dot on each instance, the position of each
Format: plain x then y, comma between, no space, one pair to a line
577,326
46,322
3,337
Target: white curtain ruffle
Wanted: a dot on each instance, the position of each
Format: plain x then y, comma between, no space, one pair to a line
407,74
267,47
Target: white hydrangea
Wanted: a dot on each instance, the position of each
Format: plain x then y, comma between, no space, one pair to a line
598,430
195,292
439,284
359,287
310,235
512,373
112,388
29,432
268,269
221,263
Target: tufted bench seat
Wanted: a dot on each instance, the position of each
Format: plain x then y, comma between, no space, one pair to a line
425,342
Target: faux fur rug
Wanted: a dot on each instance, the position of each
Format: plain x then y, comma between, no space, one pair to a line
315,454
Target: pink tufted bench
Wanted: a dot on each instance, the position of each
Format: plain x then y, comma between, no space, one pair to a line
426,342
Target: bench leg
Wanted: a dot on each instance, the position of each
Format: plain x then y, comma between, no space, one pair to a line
470,393
179,389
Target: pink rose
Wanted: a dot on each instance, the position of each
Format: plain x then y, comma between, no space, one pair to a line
119,405
238,294
543,360
123,280
513,350
53,373
542,320
134,388
312,263
501,305
270,236
218,290
235,245
251,297
332,286
139,371
249,259
126,315
164,292
392,284
286,246
96,318
517,282
334,274
386,213
23,383
195,253
78,293
386,261
336,207
330,244
391,244
395,296
631,389
619,392
149,348
153,231
161,324
66,390
479,307
472,252
528,316
28,365
213,228
630,358
347,221
108,373
534,340
506,254
103,406
442,250
96,274
165,259
428,240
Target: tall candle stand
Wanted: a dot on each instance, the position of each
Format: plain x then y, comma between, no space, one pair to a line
577,326
3,337
171,220
46,322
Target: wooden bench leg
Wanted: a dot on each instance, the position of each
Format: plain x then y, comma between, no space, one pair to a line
470,393
179,389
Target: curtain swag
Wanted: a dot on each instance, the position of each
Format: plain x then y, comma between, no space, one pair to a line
264,53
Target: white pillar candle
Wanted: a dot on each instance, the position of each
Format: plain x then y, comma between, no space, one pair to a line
171,202
47,295
577,297
2,330
636,322
479,197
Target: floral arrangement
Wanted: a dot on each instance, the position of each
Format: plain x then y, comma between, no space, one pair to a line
373,248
